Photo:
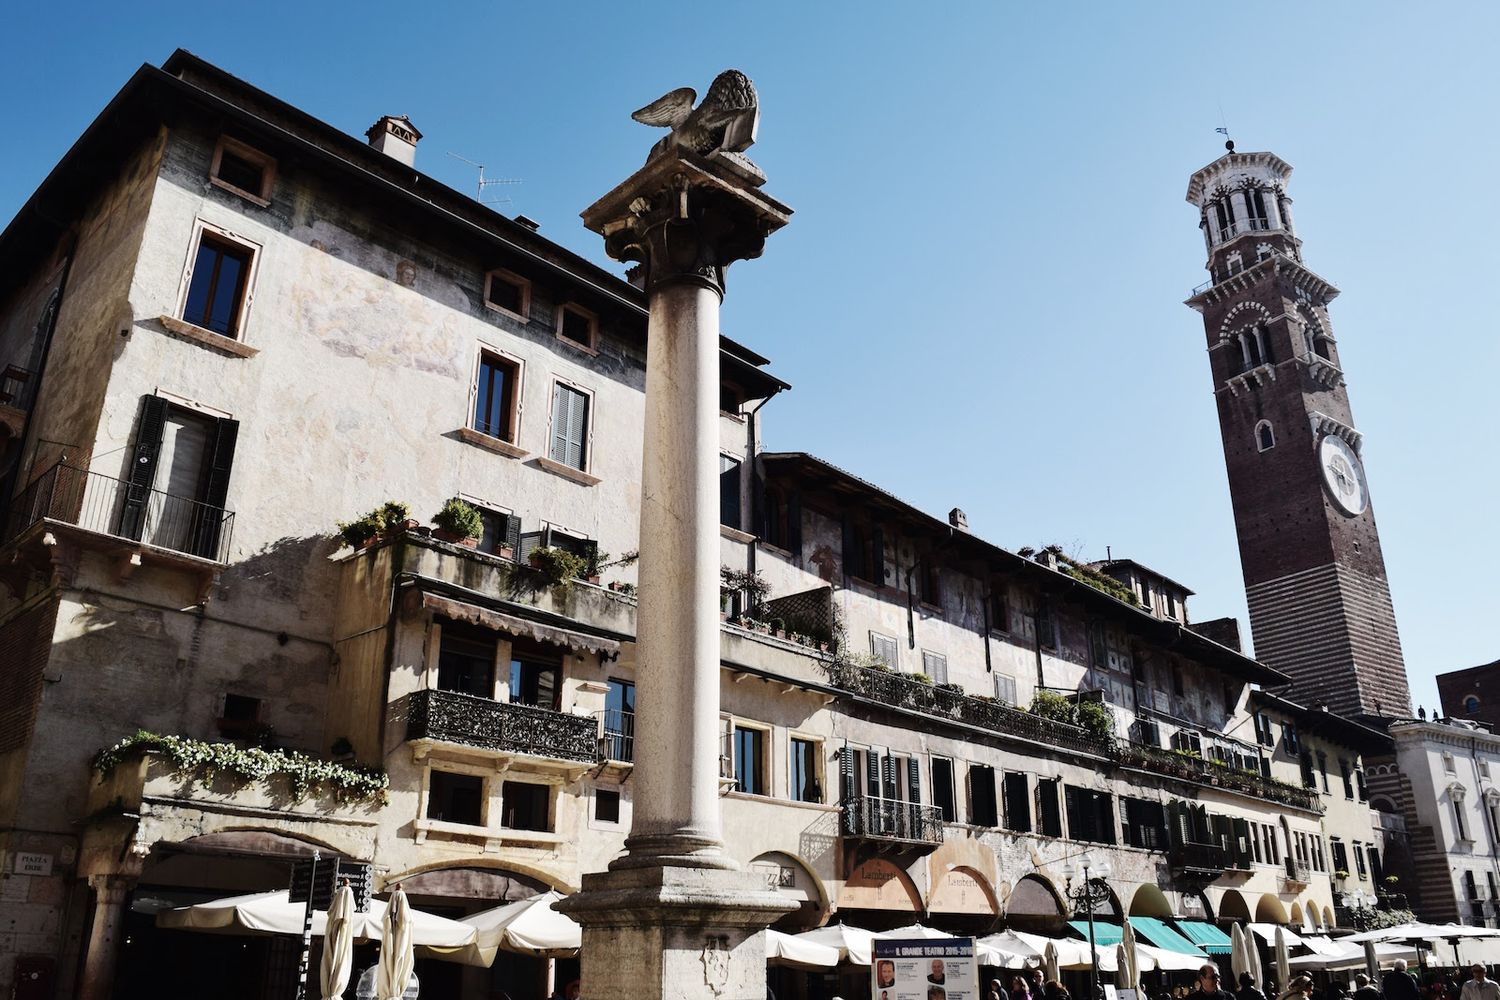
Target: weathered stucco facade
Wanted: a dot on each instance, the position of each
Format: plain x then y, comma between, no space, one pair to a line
497,701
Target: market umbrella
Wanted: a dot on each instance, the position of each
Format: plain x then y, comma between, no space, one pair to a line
1153,959
1050,970
1372,964
1283,961
1252,951
852,943
788,949
396,958
1128,974
338,944
528,926
1013,950
1238,962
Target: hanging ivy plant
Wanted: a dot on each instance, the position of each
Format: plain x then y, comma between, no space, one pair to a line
207,761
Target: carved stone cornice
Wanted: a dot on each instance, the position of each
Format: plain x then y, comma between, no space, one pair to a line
1322,424
686,217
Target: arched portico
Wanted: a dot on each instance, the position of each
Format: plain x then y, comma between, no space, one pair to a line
1149,901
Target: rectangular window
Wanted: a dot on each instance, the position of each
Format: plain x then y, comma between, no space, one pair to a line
218,284
242,169
241,716
606,806
1460,828
931,583
804,783
1471,891
1017,803
578,326
1289,738
982,806
502,529
935,665
942,789
508,292
1323,769
570,426
749,760
863,550
999,611
525,806
1005,689
1309,779
619,720
1178,687
178,479
1048,809
535,675
884,648
1359,861
1098,647
455,798
1340,854
495,395
729,491
1046,631
1145,824
466,659
1348,777
1090,816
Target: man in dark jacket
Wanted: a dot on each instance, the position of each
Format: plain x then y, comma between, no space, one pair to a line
1249,991
1208,985
1398,984
1363,990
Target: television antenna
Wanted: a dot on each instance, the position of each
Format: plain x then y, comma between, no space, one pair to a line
486,182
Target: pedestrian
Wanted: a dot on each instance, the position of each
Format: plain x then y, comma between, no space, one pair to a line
1364,989
1055,990
997,992
1300,988
1208,985
1018,988
1398,984
1479,986
1038,984
1338,990
1248,990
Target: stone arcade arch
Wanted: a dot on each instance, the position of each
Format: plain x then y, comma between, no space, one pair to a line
1271,910
793,877
884,893
1233,906
1035,904
1149,901
1296,917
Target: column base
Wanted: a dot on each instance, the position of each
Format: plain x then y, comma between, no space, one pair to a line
674,933
673,850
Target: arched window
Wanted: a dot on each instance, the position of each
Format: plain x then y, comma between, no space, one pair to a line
1471,705
1224,216
1265,436
1253,347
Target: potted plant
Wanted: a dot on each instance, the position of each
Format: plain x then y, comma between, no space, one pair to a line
381,523
557,567
458,522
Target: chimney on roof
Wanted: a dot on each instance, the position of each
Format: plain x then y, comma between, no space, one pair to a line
396,137
529,222
958,519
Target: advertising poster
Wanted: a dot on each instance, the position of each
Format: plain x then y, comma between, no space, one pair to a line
935,969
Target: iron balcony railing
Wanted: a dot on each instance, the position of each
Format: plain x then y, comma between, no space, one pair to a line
454,717
1188,857
891,819
111,506
616,735
1190,767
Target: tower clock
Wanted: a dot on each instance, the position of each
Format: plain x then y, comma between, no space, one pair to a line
1315,581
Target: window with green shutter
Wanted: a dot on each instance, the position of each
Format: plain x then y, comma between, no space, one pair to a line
570,423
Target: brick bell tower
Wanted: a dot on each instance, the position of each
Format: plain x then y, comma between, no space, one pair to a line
1320,605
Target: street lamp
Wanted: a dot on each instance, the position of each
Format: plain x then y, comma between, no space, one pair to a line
1086,897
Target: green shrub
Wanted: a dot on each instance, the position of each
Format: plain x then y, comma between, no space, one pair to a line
922,679
558,567
459,518
381,521
1097,719
1054,707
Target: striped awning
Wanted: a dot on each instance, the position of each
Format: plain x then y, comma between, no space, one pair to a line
1158,933
1107,933
1206,936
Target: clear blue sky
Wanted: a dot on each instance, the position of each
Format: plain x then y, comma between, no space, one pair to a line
979,300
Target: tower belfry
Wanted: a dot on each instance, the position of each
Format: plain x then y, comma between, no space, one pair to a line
1315,580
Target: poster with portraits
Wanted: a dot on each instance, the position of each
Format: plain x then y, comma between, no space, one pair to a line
935,969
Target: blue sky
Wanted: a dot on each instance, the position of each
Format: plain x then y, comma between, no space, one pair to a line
979,300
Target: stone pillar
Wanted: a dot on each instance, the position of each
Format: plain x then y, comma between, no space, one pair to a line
1241,211
675,917
1273,208
1285,204
106,934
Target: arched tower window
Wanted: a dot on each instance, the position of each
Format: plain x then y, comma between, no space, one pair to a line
1255,203
1253,347
1471,705
1224,216
1265,436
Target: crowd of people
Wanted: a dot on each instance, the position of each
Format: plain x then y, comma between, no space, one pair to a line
1397,984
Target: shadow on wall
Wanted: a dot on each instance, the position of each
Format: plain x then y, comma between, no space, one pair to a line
817,841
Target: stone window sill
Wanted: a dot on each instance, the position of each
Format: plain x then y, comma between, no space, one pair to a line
567,472
736,535
490,443
776,550
490,834
579,346
254,199
207,338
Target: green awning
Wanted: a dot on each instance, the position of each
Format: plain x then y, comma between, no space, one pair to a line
1106,933
1206,936
1158,933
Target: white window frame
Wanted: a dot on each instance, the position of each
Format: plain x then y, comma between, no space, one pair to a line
524,315
468,770
201,226
594,822
588,433
250,154
928,656
518,404
1268,426
820,766
894,667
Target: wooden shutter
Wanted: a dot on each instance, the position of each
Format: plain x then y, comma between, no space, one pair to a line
527,543
851,553
913,781
142,470
889,791
1104,816
513,534
873,785
216,488
846,774
570,416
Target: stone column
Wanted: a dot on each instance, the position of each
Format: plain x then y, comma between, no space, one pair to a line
675,917
1241,211
106,933
1273,207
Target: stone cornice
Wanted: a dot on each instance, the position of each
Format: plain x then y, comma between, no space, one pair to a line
1322,424
1198,183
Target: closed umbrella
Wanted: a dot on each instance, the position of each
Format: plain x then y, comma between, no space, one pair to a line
1283,960
338,945
1237,961
1372,964
396,958
1252,951
1128,973
1050,969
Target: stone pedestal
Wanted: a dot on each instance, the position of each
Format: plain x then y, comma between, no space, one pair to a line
675,918
106,933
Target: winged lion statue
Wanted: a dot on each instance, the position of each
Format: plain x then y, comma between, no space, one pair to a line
725,121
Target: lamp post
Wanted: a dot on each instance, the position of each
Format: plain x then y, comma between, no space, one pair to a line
1088,895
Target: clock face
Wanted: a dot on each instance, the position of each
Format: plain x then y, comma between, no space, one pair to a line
1343,475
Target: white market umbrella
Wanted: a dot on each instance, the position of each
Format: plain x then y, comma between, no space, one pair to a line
1238,963
396,957
1154,959
1252,952
1283,960
528,926
338,945
852,943
1372,963
1049,962
791,950
1127,976
1012,950
272,913
1352,956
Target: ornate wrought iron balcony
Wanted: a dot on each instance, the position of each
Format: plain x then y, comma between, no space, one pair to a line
123,510
616,735
870,818
494,725
1191,860
1208,772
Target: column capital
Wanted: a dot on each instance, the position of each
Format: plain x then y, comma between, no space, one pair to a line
687,217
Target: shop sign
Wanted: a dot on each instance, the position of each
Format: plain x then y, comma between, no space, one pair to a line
33,864
935,969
